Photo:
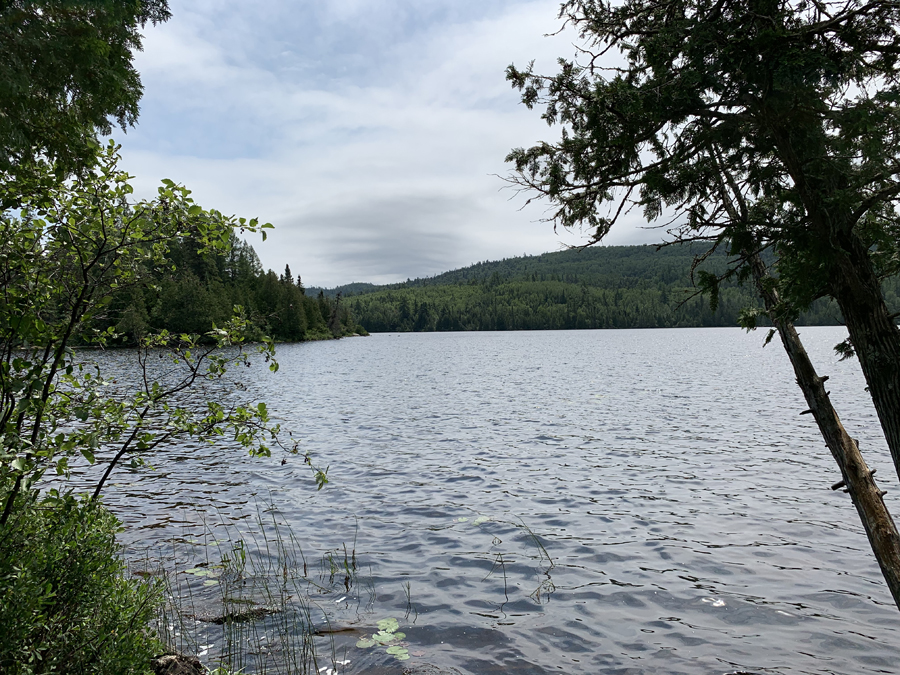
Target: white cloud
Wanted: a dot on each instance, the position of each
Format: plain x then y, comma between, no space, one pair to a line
367,132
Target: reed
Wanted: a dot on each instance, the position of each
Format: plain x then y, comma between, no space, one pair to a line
242,598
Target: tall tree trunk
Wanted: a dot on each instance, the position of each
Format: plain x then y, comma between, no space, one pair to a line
874,334
867,498
853,282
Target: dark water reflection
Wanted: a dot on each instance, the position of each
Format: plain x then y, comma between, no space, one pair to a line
576,502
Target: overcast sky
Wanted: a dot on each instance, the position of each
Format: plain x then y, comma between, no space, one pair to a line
368,132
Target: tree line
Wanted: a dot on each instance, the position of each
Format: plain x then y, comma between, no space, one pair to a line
198,290
609,287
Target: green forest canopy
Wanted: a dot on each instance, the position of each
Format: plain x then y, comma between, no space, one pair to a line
199,291
595,287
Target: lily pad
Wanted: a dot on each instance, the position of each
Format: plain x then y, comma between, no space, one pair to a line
388,625
203,572
463,519
210,582
387,636
382,637
481,519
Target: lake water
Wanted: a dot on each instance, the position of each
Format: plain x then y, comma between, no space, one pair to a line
633,501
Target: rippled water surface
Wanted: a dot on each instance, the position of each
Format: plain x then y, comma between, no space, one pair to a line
562,502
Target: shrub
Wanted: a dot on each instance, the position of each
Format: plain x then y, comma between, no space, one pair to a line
66,605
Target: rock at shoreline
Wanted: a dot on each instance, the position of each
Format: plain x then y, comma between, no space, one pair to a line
428,669
176,664
252,614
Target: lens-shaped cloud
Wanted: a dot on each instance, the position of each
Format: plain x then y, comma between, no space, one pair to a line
371,134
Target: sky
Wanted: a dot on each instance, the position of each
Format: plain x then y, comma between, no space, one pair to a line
371,133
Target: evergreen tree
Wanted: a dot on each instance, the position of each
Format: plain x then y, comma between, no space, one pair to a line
764,125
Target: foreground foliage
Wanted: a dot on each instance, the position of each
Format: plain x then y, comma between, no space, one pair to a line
62,259
78,255
66,605
65,257
66,70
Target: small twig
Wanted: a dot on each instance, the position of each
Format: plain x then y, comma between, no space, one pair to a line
842,483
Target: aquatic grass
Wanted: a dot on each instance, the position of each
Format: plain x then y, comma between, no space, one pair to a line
244,596
410,607
502,564
545,563
542,551
546,588
240,597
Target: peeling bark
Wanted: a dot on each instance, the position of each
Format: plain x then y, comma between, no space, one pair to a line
875,338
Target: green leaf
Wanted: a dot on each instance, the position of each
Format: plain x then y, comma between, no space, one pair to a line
388,625
321,479
384,638
86,452
203,572
365,643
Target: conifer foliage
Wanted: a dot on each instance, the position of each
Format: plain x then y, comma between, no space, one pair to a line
753,125
197,290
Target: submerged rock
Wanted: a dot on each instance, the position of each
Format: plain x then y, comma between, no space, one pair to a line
252,614
176,664
428,669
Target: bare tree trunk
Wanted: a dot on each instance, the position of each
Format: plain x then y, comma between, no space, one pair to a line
866,497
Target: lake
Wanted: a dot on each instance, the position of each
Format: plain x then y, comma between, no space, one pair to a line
629,501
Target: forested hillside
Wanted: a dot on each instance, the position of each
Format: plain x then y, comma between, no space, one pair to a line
198,291
605,287
598,287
